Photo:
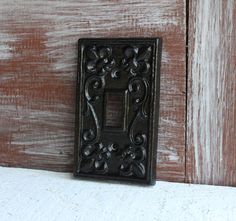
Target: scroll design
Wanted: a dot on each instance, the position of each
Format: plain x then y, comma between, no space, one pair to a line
137,64
98,62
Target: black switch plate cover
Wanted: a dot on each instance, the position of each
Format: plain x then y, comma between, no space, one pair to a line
117,108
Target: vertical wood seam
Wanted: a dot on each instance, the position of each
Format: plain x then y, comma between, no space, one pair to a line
186,90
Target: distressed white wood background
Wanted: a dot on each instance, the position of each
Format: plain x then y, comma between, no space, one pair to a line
38,69
38,52
211,139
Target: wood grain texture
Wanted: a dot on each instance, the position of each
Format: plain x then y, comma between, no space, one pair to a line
211,140
38,52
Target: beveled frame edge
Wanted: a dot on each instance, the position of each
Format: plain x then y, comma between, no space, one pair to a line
155,113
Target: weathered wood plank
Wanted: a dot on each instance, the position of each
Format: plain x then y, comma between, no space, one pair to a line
211,152
38,55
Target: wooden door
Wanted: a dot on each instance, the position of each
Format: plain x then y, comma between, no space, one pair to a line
38,52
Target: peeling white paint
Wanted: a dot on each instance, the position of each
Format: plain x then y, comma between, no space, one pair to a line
5,48
213,35
67,28
5,52
58,25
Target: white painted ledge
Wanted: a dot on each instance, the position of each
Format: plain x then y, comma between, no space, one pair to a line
33,195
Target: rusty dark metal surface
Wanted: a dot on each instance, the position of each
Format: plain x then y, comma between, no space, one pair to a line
117,109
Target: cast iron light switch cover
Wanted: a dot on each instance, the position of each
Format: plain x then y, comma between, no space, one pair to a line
117,108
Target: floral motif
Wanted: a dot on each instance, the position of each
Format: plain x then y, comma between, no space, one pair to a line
132,158
132,62
100,60
136,60
98,156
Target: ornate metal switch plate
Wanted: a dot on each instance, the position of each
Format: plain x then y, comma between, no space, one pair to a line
117,109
